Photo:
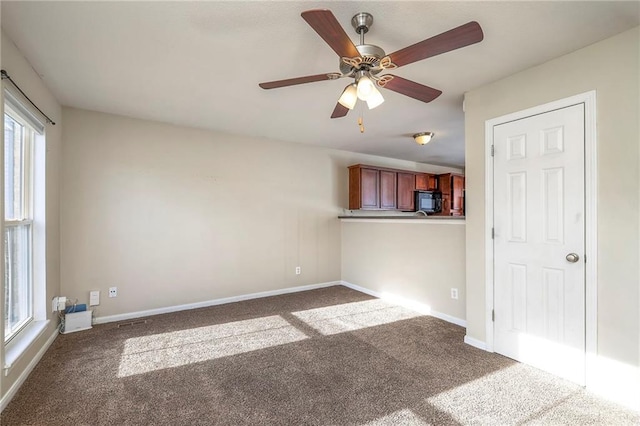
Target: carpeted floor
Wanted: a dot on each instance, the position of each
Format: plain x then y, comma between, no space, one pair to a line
332,356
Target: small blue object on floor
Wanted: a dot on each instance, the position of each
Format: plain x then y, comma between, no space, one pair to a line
76,308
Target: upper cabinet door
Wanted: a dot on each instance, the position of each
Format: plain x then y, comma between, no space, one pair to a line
426,182
364,188
422,182
457,194
444,183
388,190
406,191
370,188
433,183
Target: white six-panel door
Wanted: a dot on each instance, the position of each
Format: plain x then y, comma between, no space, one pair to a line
539,243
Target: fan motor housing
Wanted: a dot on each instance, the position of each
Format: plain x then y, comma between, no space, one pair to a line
371,55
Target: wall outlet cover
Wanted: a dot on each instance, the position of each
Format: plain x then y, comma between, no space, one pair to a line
94,298
62,303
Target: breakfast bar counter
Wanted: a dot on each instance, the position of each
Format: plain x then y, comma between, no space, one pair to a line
402,219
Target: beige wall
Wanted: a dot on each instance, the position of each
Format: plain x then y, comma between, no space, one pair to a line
417,261
173,215
611,68
20,70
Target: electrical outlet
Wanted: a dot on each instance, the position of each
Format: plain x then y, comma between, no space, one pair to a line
113,291
58,303
94,297
454,293
298,270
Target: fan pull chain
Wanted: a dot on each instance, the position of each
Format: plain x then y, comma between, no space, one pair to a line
361,118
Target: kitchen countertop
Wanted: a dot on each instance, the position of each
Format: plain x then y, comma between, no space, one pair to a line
406,219
400,217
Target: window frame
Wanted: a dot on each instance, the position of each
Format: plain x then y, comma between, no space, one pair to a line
27,216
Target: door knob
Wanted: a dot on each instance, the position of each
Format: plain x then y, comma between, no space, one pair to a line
572,257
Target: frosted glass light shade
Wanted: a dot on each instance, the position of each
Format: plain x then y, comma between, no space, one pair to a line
374,99
349,96
423,138
365,87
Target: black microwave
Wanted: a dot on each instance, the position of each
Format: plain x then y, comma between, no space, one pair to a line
429,201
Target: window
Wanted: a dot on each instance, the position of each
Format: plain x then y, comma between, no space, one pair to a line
19,290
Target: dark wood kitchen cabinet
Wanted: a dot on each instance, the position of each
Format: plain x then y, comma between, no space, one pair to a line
369,188
457,195
426,182
372,188
380,188
406,191
388,189
452,187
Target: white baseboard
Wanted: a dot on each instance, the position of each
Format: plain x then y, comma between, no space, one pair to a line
406,303
8,396
214,302
449,318
475,343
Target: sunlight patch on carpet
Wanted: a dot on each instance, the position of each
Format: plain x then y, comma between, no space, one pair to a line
513,395
404,417
565,359
354,316
177,348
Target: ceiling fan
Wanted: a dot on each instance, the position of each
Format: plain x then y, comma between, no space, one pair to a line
364,62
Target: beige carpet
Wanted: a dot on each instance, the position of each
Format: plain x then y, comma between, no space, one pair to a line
325,357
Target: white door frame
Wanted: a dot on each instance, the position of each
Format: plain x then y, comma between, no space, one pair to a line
591,197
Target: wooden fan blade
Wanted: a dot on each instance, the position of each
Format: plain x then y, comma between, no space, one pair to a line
294,81
412,89
456,38
339,111
327,27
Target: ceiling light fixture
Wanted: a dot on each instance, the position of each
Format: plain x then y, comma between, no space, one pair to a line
423,138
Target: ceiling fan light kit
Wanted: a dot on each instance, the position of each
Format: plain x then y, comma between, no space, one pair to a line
375,99
365,87
423,138
349,97
364,62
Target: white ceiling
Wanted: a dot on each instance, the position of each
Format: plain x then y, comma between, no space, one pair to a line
199,63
